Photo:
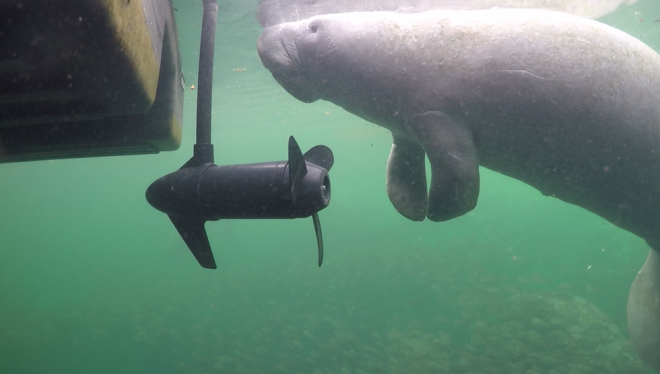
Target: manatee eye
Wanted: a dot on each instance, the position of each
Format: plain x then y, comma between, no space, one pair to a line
313,26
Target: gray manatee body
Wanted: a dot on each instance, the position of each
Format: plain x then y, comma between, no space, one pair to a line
565,104
273,12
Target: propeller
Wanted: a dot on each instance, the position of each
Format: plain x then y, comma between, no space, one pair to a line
202,191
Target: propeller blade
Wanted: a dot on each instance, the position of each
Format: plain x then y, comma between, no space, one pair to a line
297,167
319,236
193,233
321,156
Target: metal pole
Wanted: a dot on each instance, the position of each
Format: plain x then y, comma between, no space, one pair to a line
205,83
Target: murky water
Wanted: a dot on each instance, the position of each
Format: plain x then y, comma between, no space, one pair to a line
94,280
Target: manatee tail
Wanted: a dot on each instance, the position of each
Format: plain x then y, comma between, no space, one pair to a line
644,311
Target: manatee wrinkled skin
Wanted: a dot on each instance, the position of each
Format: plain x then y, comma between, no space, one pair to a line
565,104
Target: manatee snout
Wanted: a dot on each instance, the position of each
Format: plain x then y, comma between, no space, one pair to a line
277,51
278,48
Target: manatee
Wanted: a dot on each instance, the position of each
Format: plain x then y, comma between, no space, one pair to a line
563,103
272,12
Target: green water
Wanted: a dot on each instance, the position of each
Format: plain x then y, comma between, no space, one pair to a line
94,280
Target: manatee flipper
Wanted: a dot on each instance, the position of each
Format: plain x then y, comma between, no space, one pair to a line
406,178
644,311
454,164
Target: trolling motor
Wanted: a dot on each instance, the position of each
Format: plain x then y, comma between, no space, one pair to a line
201,191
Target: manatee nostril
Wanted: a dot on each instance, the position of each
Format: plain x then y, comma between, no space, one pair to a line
313,27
